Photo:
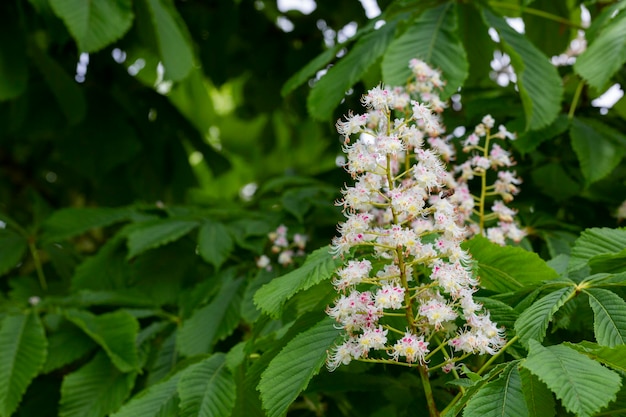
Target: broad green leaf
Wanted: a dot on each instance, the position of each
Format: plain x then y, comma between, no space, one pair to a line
608,262
613,357
215,243
166,357
66,91
95,24
207,389
212,322
597,153
65,346
538,81
69,222
500,312
319,265
13,63
433,38
96,389
500,398
249,312
477,44
22,354
533,322
583,385
114,332
609,310
555,182
152,234
309,70
498,266
593,242
160,400
539,399
530,140
593,64
106,270
331,88
551,37
174,48
12,249
291,370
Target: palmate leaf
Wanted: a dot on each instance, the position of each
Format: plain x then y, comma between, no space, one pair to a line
207,389
583,385
212,322
22,354
538,80
319,265
12,249
155,233
95,390
69,222
595,148
331,88
291,370
609,311
613,357
160,400
539,399
114,332
533,322
94,24
215,243
500,398
498,266
432,37
593,242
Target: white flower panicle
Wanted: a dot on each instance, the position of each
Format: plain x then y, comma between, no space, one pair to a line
282,248
403,232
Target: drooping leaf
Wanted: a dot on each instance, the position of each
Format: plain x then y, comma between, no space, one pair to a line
152,234
65,346
69,222
539,399
613,357
12,249
592,64
583,385
609,310
215,243
331,88
538,81
160,399
94,24
22,354
500,398
498,266
597,153
212,322
593,242
433,38
319,265
95,390
291,370
207,389
533,322
115,332
173,45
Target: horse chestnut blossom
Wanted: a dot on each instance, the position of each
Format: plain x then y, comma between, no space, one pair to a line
406,287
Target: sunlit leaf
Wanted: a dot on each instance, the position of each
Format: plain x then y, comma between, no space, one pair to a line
609,310
152,234
593,242
533,322
500,398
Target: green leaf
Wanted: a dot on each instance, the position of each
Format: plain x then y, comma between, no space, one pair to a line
207,389
502,397
291,370
498,266
173,45
550,36
65,346
530,140
69,222
160,400
331,88
477,44
613,357
152,234
609,311
432,37
593,64
319,265
538,80
597,152
212,322
533,322
309,70
608,262
594,242
539,399
95,390
114,332
22,354
94,24
583,385
215,243
13,62
106,270
12,249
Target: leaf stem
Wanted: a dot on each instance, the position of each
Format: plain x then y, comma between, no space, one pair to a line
537,12
430,400
37,260
577,93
